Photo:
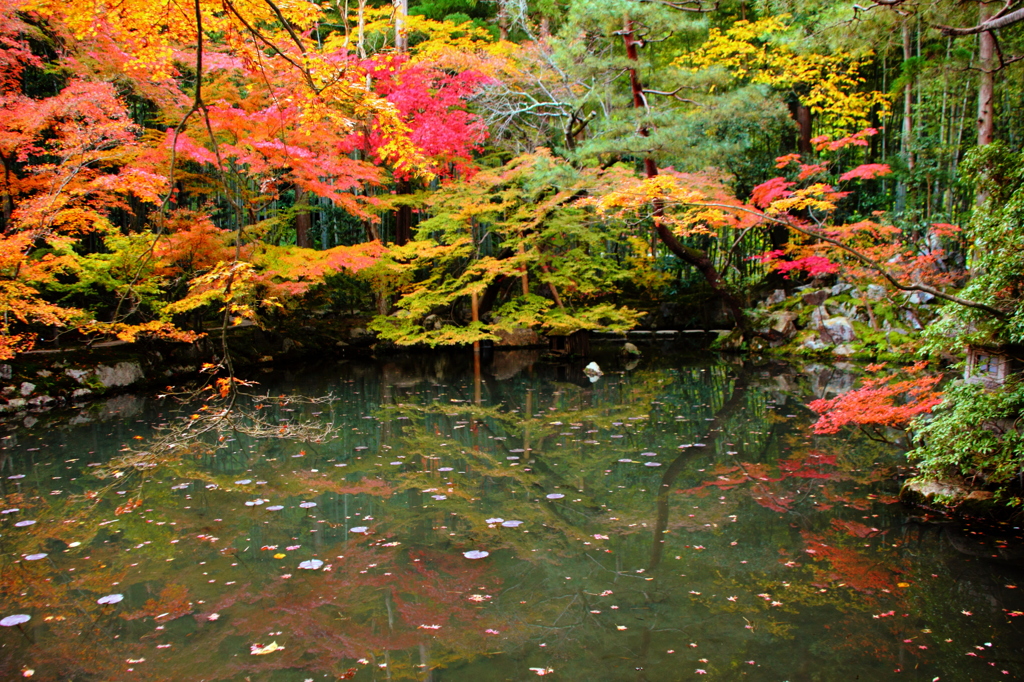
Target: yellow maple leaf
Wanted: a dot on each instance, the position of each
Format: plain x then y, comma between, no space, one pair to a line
258,650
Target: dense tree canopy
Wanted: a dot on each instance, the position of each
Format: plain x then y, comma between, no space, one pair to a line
475,168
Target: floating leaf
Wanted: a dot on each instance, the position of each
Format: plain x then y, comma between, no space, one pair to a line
258,650
555,496
476,554
512,524
312,564
275,507
495,520
22,524
35,557
110,599
16,619
307,505
244,481
358,529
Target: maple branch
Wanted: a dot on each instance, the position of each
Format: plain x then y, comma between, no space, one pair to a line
287,25
873,264
269,43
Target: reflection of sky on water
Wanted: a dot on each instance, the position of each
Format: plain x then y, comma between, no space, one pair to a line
412,540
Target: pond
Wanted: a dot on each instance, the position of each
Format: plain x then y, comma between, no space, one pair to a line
411,519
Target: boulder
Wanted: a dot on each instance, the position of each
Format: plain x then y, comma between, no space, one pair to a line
26,388
837,330
121,374
926,492
776,297
629,349
813,343
516,338
920,297
816,297
78,375
840,288
784,323
875,292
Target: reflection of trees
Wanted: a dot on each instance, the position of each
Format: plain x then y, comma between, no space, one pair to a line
544,578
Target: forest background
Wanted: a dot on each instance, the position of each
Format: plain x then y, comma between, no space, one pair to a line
461,171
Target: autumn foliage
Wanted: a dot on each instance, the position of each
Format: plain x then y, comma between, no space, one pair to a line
893,400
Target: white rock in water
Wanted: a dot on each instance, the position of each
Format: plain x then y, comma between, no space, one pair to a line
592,370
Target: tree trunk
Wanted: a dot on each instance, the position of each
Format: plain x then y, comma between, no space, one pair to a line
687,254
986,85
303,219
802,116
401,25
403,216
502,20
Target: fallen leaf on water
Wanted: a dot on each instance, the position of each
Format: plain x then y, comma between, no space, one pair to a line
258,650
543,671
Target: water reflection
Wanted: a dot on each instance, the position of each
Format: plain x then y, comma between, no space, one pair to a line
671,520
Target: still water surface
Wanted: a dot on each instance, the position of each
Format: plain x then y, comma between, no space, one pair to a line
674,520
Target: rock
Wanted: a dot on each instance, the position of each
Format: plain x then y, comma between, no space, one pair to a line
121,374
776,297
784,323
41,401
26,388
80,393
629,349
16,404
910,317
78,375
813,343
593,372
288,345
837,330
818,317
977,502
840,288
517,338
359,333
843,350
729,340
925,492
6,372
30,421
265,359
816,297
44,373
875,292
432,323
919,297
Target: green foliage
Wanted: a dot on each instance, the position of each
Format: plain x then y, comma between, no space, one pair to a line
996,232
519,221
974,434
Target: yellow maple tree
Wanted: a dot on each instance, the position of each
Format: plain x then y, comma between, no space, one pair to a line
832,86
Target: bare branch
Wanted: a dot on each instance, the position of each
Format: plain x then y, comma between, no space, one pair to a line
674,95
992,24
